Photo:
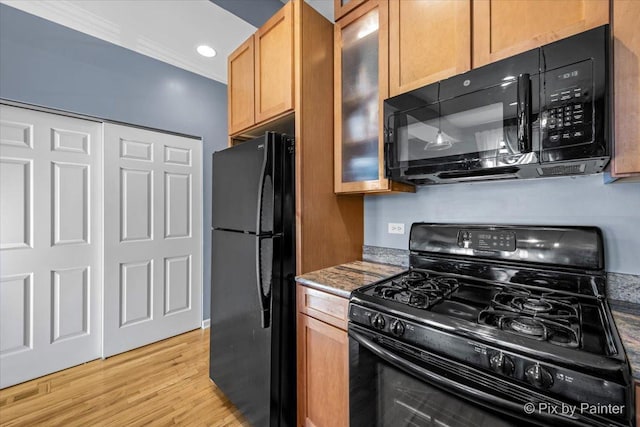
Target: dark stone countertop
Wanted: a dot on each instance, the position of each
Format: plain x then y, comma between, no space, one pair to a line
341,279
627,318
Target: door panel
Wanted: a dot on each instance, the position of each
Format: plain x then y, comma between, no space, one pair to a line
153,247
70,203
50,268
17,215
240,71
70,295
135,204
274,65
323,360
502,28
135,292
16,311
429,40
177,284
177,205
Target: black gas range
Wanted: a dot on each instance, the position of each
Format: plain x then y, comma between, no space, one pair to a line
490,326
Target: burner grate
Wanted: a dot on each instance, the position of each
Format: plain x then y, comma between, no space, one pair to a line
417,289
541,316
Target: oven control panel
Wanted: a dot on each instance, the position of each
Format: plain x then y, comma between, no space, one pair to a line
487,240
567,115
423,340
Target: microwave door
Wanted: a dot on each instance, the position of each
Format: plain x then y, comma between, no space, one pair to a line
480,126
483,125
412,132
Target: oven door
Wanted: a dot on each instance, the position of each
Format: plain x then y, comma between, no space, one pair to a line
472,135
388,387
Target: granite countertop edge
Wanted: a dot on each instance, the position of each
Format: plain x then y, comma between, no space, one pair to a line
322,287
626,317
342,279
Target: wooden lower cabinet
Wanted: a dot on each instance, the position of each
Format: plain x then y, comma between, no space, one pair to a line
323,373
638,404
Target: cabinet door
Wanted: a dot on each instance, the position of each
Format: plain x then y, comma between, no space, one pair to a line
240,87
429,40
342,7
274,65
626,51
323,374
637,390
502,28
360,85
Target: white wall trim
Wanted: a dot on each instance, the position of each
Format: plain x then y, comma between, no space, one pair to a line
206,323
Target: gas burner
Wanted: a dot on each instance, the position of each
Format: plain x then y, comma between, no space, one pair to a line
564,334
414,277
541,316
548,305
536,305
526,326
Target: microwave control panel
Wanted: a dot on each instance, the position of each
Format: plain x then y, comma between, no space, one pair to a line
568,107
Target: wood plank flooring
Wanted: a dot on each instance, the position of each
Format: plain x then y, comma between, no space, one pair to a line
165,383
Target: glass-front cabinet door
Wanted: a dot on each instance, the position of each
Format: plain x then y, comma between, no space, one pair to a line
361,84
342,7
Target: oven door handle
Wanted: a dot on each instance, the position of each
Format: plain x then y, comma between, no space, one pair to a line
451,385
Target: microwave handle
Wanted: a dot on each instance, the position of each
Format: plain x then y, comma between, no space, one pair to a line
524,113
388,145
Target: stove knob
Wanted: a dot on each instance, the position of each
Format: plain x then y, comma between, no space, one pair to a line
538,376
378,321
502,364
397,328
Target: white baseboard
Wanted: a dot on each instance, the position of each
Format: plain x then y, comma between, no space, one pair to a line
206,323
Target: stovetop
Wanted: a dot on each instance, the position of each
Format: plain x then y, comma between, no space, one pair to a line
564,319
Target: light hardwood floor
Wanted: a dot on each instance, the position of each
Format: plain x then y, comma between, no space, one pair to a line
165,383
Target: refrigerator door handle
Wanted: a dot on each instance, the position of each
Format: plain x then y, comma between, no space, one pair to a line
265,190
265,257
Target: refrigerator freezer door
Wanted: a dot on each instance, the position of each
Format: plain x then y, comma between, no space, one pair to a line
240,359
243,186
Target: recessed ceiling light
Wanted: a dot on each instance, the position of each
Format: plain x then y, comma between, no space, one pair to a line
206,51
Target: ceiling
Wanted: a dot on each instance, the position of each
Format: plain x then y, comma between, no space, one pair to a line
168,30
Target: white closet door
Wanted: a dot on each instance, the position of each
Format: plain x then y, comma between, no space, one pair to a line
152,264
50,243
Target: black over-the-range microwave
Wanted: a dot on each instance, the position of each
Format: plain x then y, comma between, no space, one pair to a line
542,113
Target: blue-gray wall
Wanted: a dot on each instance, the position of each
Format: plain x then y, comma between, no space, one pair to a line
255,12
585,200
46,64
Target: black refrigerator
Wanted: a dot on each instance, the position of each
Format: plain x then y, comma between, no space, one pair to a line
252,350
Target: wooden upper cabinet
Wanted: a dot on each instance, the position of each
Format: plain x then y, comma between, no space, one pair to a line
361,85
429,40
261,74
240,88
274,65
342,7
626,52
502,28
